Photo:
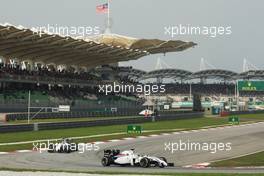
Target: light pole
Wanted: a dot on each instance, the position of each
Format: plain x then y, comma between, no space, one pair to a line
28,106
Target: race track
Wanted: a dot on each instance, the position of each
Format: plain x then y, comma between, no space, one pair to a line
244,139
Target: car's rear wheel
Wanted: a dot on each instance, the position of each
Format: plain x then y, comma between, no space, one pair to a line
105,161
60,150
68,150
144,162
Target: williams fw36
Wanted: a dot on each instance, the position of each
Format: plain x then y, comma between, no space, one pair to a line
130,158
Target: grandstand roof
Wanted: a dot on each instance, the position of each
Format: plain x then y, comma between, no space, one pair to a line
167,73
214,74
25,44
211,74
152,46
255,74
207,74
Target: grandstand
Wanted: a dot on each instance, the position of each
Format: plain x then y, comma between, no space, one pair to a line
53,87
61,70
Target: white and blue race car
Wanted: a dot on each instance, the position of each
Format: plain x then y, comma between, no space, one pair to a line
130,158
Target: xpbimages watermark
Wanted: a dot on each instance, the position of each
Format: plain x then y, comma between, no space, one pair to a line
211,147
139,88
74,31
60,147
210,31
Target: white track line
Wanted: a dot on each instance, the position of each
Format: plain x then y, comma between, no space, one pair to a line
114,140
128,138
154,135
3,153
98,142
23,151
142,137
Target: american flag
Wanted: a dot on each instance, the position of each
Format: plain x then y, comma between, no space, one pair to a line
103,8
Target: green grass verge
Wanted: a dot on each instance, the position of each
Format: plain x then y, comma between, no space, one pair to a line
72,132
256,159
29,146
164,126
246,117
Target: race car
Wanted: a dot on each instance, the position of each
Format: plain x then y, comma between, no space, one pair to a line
130,158
64,146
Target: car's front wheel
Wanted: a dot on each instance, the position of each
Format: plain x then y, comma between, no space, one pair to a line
144,162
161,165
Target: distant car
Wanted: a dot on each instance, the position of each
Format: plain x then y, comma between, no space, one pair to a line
130,158
64,146
146,112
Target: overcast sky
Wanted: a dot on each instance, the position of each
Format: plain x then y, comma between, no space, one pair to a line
147,19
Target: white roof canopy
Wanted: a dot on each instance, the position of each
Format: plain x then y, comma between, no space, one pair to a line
25,44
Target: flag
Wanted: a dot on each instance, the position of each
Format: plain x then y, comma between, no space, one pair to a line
103,8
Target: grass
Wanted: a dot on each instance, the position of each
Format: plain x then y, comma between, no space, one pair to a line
29,146
163,126
246,117
85,131
256,159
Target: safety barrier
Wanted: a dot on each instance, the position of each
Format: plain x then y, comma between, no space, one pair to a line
228,113
246,112
56,115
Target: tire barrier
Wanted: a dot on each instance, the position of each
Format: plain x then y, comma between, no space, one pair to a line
16,128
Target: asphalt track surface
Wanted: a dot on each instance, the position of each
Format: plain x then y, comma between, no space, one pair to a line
244,139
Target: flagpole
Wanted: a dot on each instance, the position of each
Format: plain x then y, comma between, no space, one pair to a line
108,14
